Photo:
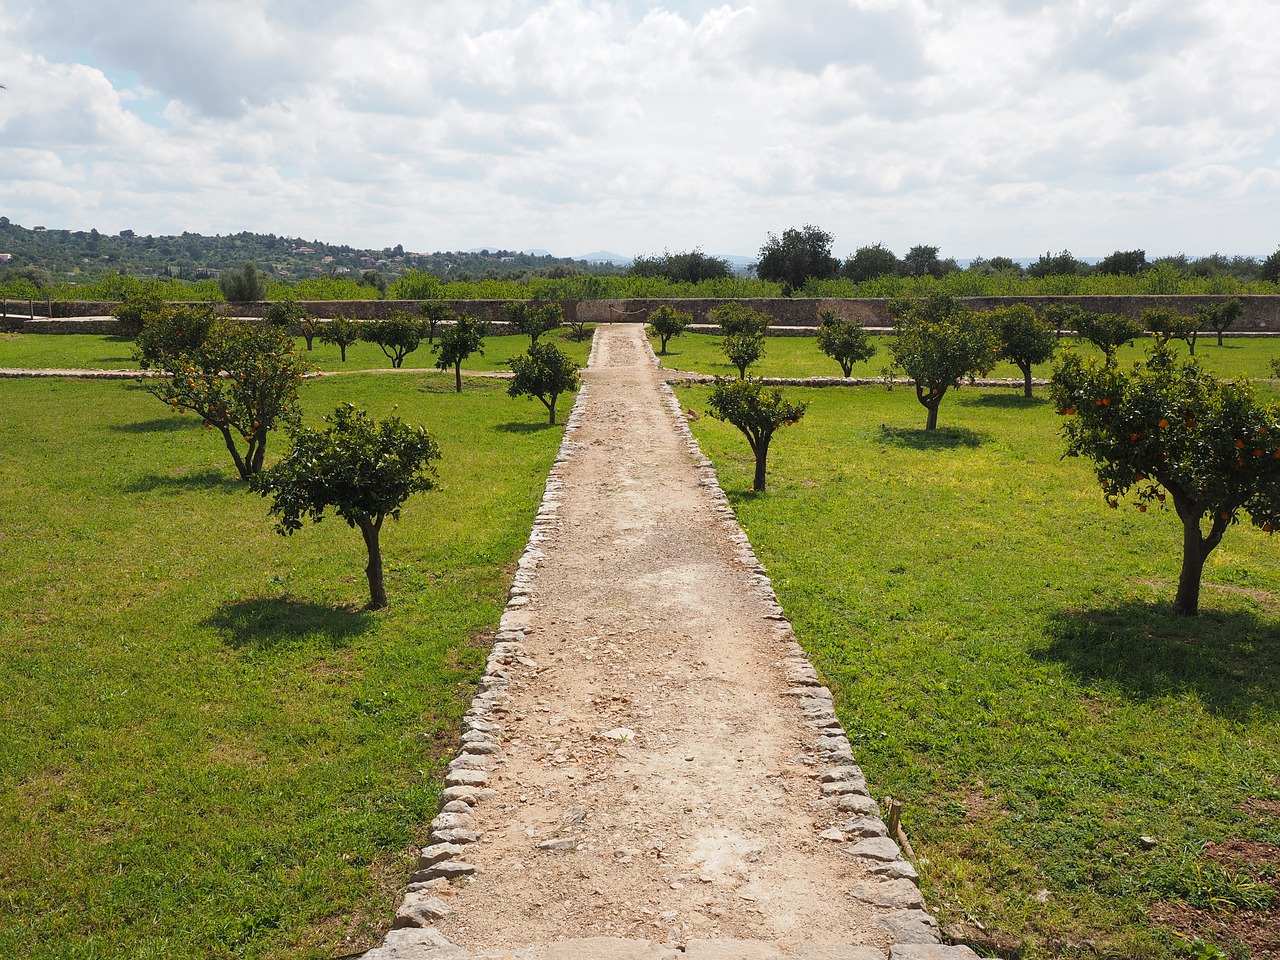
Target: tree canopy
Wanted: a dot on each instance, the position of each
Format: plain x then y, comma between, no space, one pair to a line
755,411
364,470
938,342
796,256
1166,425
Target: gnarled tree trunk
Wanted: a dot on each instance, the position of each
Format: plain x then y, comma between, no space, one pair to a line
377,588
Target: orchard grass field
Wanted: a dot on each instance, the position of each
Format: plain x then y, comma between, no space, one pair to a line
1004,657
86,351
208,749
800,357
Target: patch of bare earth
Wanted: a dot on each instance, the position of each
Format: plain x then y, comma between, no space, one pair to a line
654,781
1258,930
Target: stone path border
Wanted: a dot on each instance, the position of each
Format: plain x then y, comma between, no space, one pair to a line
443,861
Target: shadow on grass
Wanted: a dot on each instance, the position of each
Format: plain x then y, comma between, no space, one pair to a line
1003,401
1229,659
206,479
517,426
266,624
943,438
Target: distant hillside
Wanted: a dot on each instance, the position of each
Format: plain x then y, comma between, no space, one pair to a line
66,254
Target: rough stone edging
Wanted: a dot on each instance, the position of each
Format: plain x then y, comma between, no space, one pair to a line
467,777
894,892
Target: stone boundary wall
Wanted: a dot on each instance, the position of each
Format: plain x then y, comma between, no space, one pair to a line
791,317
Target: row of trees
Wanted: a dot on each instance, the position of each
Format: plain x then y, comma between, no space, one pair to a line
803,254
243,379
1163,429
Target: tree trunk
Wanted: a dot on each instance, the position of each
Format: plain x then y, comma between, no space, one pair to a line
457,376
1026,380
1219,338
931,422
377,588
242,467
1187,602
343,348
762,455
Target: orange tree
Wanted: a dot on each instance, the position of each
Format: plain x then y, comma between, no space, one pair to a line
545,372
397,336
1025,338
1219,316
844,341
1166,426
940,340
364,470
458,341
757,412
668,322
240,378
1107,331
533,319
340,332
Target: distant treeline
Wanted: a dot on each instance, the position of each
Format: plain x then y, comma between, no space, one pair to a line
797,264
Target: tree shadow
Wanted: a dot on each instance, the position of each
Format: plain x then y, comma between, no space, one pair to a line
1003,401
943,438
206,479
266,624
1229,659
517,426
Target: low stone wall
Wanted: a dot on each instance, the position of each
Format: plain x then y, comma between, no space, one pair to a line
798,317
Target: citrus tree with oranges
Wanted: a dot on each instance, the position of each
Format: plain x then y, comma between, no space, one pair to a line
240,378
757,412
1166,430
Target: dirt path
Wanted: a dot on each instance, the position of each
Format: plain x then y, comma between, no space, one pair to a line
654,744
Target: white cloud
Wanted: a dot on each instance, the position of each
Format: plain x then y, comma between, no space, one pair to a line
993,126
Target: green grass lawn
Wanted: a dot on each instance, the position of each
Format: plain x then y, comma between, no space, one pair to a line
207,748
83,351
800,357
1003,657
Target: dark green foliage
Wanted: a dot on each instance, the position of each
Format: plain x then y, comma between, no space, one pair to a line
171,331
939,341
995,265
1056,265
544,372
921,261
340,332
287,312
1165,324
1168,426
797,256
533,319
1107,331
240,378
246,285
844,341
1219,316
743,350
1128,262
374,280
397,336
364,470
692,266
733,318
1270,269
137,306
1025,338
668,322
757,412
870,262
1063,316
458,341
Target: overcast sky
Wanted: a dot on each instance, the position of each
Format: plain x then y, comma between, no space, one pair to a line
985,127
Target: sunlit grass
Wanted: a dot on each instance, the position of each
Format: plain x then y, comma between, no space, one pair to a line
207,747
1003,655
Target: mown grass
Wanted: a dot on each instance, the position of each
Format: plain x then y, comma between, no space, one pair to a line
207,747
1004,658
800,357
83,351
